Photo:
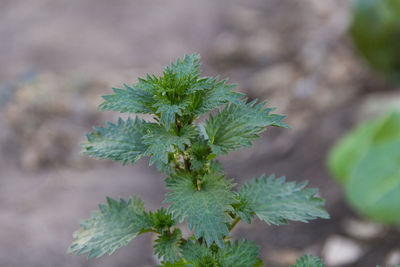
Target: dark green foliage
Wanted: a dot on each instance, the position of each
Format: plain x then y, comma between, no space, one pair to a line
185,150
376,33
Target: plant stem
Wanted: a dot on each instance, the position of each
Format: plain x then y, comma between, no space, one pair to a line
234,223
186,159
149,231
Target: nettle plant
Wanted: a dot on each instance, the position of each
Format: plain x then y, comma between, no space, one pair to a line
184,149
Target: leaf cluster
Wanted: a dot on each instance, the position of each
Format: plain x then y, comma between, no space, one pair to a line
185,148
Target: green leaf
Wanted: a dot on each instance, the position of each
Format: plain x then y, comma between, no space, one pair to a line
308,261
172,89
199,150
198,255
236,126
167,246
238,254
348,150
188,66
243,209
205,209
276,202
134,99
113,226
374,186
161,220
212,93
160,142
366,163
119,142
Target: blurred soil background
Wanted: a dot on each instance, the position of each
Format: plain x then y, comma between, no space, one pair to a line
58,57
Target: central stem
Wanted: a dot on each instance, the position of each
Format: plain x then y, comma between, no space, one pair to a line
234,223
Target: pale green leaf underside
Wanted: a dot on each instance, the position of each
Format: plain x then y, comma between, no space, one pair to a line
308,261
238,125
111,227
133,99
205,210
276,202
118,142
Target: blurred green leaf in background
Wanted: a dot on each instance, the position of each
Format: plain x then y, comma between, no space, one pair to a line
375,30
366,163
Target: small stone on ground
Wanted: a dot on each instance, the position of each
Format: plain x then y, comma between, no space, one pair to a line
339,251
